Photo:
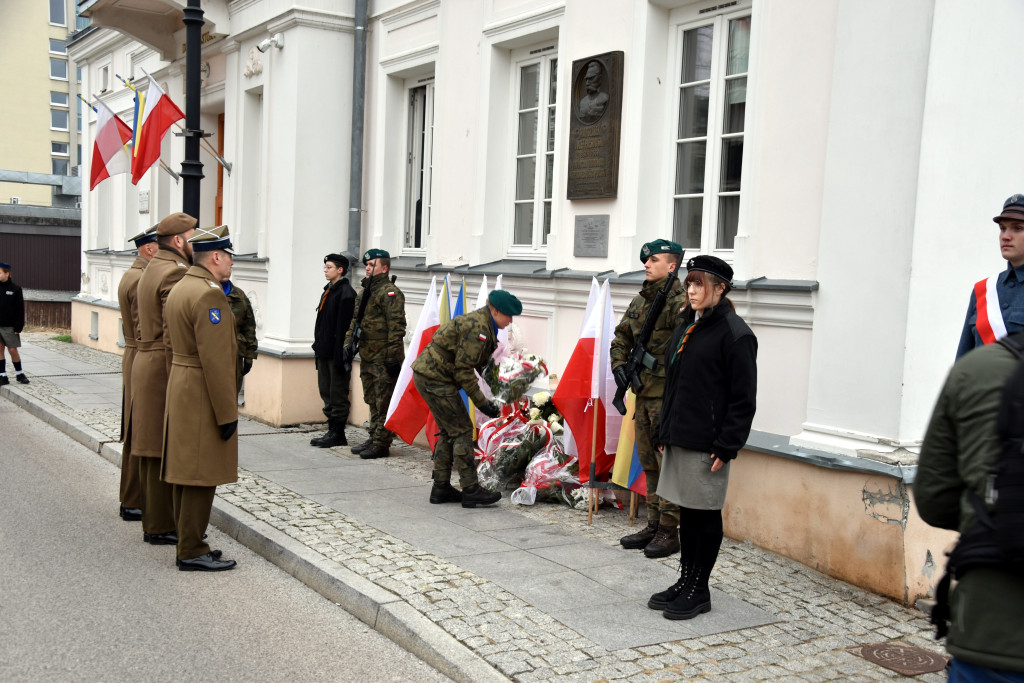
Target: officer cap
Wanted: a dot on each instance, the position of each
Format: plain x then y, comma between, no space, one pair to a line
210,239
337,259
5,265
711,264
145,237
1013,209
505,302
175,224
659,247
372,254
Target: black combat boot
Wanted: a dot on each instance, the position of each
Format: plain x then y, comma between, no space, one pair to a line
375,451
444,492
696,596
335,436
477,495
659,601
361,447
664,543
641,538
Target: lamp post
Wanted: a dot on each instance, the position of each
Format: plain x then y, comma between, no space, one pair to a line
191,167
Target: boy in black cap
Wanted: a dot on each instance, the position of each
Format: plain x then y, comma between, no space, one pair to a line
1002,295
333,317
660,258
12,322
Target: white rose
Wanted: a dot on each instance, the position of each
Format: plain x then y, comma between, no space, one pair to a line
556,428
555,418
534,413
541,397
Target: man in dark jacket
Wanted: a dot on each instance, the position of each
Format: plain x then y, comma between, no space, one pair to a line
959,456
333,317
12,322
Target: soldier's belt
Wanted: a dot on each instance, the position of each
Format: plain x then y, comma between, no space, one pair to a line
186,360
151,346
130,344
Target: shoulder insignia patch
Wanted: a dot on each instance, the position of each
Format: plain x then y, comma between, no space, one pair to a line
214,315
482,337
391,293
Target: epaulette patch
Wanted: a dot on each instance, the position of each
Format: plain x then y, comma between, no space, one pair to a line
213,285
182,265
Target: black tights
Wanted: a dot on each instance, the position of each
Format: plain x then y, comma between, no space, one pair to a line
700,537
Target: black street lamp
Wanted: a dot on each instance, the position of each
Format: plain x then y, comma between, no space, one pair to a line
191,167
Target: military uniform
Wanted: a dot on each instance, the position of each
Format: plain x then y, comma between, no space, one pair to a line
149,379
245,330
449,363
200,447
660,513
131,484
381,351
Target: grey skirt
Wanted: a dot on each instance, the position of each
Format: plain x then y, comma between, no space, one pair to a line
687,480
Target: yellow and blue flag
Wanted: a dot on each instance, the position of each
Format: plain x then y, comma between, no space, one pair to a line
627,471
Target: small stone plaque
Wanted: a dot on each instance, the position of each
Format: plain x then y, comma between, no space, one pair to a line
143,201
591,236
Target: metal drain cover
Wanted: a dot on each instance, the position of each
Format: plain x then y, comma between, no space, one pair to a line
904,659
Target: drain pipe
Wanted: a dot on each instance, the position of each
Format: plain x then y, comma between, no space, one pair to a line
355,176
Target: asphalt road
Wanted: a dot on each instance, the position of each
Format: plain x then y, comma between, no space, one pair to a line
83,598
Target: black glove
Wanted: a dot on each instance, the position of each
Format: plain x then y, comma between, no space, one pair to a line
347,354
490,409
228,429
246,366
393,369
621,380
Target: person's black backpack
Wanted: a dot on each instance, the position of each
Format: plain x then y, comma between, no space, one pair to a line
997,537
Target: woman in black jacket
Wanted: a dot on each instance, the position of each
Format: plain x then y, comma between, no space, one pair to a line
706,413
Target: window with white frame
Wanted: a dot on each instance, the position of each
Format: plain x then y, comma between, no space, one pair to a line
58,47
58,119
58,69
58,99
419,172
535,77
57,12
59,149
711,70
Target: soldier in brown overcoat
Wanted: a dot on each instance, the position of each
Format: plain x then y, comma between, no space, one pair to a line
200,447
149,373
131,485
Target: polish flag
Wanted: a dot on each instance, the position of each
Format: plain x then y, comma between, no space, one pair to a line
159,115
583,386
568,439
408,412
108,152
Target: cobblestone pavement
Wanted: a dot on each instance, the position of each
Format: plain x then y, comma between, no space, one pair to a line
818,616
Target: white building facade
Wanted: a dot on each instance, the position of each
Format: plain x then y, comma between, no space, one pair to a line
846,156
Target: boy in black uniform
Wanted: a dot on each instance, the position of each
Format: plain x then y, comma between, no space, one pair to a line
12,322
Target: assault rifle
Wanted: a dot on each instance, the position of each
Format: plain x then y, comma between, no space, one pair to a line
639,357
349,352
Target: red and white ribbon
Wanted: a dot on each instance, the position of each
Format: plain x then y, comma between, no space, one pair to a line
989,323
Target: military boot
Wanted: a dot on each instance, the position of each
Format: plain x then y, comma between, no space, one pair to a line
375,451
696,596
659,601
335,436
641,538
361,447
444,492
664,543
477,495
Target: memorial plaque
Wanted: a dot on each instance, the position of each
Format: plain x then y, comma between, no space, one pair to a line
591,236
594,126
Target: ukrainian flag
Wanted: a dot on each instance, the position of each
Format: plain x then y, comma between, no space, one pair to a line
626,471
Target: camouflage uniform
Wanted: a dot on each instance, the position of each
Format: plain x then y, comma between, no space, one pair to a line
459,348
245,329
648,403
381,347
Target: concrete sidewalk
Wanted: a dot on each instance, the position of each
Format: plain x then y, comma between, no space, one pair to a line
528,593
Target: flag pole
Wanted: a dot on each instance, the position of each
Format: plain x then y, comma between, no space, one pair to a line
593,467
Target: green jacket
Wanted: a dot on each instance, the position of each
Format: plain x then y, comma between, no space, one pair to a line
245,322
629,327
960,451
383,338
462,345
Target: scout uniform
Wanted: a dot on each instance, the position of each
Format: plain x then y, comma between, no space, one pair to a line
200,449
660,538
12,322
1002,296
458,350
131,485
149,379
381,351
333,319
245,330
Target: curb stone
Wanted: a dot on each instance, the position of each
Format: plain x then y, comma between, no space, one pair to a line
378,608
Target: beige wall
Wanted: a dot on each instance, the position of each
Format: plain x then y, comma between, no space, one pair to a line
25,104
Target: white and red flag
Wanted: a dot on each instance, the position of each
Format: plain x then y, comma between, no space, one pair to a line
408,412
582,393
159,114
109,156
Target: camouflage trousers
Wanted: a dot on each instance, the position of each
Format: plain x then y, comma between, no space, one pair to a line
647,416
455,440
378,386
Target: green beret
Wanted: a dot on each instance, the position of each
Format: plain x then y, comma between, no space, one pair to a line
506,302
659,247
176,224
372,254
